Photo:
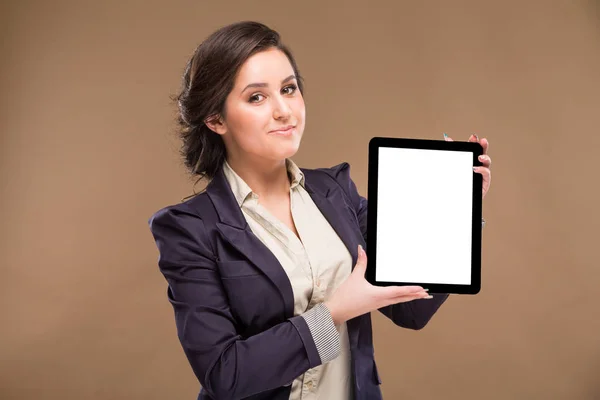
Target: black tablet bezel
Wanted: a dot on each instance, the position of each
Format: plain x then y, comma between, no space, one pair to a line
475,148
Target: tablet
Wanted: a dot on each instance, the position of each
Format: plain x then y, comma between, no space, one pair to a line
424,214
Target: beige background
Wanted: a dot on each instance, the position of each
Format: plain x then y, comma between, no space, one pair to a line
88,153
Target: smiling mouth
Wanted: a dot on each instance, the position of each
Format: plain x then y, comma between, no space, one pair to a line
283,131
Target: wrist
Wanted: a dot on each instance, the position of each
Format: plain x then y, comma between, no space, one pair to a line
335,315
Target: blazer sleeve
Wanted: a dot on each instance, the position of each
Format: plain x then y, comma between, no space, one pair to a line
227,365
413,314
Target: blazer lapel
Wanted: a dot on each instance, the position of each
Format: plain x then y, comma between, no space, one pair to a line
235,230
332,206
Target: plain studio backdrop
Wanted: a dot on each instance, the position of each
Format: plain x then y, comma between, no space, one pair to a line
88,152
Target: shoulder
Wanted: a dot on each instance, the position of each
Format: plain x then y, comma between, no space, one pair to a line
338,175
332,177
172,215
184,210
176,227
336,172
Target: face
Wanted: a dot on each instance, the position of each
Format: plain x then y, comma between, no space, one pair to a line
264,113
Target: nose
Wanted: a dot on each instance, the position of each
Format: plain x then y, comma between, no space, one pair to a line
281,109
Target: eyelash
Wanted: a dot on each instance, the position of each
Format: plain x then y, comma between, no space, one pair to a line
292,86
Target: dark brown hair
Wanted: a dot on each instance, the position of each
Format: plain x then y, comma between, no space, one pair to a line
207,81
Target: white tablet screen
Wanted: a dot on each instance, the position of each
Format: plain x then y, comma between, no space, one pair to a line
424,216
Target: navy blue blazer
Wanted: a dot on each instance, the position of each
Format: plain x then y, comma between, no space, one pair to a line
233,301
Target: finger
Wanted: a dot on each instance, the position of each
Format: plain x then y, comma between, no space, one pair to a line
473,138
421,294
406,299
361,262
413,296
485,160
485,144
485,172
398,291
447,138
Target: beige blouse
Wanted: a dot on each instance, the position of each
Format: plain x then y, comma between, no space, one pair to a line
316,264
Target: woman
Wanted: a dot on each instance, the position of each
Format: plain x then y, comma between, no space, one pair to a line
265,267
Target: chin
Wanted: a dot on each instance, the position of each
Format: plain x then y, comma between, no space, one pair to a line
287,150
288,153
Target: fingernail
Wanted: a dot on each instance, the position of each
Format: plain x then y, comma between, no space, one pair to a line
445,136
360,249
428,297
474,168
476,137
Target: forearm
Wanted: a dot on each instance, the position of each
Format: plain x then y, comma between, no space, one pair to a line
244,367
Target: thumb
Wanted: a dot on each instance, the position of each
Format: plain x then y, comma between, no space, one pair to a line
361,262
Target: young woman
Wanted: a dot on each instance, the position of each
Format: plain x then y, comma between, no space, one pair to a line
265,268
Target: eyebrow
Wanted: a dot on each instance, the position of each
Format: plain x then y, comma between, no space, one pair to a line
258,85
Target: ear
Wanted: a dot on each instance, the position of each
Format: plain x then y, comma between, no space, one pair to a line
216,124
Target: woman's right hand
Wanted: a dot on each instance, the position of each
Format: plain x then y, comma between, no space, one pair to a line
356,296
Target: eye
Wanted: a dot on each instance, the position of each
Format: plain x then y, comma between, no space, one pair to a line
255,98
290,89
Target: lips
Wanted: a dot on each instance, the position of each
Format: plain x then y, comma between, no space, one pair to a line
286,130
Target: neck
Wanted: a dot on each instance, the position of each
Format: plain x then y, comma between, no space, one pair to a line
268,179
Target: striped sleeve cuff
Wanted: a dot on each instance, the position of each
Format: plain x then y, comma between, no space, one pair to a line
324,332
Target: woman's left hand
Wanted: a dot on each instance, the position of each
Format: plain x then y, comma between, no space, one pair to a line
484,159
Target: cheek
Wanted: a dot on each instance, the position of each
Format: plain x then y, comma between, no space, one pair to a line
299,104
249,120
299,108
